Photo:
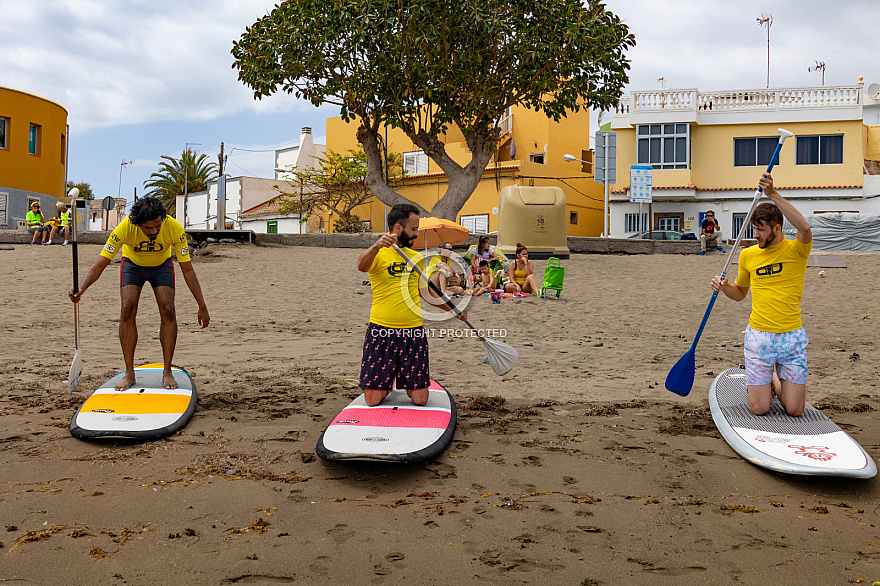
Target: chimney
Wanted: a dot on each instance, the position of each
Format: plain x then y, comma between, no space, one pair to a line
307,130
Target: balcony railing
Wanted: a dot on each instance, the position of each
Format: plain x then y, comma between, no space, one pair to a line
741,100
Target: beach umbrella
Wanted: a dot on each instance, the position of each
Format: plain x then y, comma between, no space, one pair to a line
433,231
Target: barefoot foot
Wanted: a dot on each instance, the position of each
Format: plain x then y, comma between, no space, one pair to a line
126,381
168,380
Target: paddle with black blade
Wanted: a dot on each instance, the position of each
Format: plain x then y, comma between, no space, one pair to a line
501,356
76,367
680,379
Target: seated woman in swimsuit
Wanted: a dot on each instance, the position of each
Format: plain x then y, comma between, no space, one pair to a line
521,273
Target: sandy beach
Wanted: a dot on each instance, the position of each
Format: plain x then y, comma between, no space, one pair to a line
577,467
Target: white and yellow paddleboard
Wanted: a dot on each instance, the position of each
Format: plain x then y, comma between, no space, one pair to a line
145,410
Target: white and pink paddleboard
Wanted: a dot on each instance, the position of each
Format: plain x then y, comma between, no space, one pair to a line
394,431
810,444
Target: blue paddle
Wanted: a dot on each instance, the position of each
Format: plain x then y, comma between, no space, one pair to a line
680,379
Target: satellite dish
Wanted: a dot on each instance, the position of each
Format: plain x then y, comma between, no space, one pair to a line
874,91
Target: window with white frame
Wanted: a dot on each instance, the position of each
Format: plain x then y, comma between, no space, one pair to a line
754,152
819,150
669,223
4,133
476,224
631,222
415,163
663,146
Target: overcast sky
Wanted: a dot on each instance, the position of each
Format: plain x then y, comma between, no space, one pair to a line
140,78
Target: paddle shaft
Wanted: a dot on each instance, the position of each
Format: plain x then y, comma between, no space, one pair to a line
72,220
739,238
436,290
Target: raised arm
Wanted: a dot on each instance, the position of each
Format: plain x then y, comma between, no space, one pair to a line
791,213
365,260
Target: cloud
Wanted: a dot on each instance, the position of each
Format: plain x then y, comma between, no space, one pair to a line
112,63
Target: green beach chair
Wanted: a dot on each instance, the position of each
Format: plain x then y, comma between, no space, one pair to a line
554,274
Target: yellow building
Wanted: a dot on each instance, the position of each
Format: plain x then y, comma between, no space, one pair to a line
529,154
33,154
708,150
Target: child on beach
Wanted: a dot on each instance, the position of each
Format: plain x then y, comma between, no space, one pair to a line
486,282
775,341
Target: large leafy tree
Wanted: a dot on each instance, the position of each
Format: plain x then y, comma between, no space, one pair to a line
424,65
167,183
337,183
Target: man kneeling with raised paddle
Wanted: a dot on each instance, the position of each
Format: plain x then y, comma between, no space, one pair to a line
775,341
395,346
146,238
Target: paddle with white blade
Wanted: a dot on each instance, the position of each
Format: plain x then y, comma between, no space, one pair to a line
680,379
76,367
501,357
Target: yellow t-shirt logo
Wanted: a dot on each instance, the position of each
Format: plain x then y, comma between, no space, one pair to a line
149,246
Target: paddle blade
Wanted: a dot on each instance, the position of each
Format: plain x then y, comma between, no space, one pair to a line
75,374
501,357
680,379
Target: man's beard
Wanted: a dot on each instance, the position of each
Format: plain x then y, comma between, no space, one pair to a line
405,241
769,241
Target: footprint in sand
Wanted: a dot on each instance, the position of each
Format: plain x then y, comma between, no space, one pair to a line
340,534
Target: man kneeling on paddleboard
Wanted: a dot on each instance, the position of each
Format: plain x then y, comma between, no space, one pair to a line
775,341
146,238
395,347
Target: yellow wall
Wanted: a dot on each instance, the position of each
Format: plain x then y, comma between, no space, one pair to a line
41,173
712,157
871,143
531,132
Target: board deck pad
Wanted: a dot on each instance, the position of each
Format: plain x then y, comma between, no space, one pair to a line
396,430
145,410
810,444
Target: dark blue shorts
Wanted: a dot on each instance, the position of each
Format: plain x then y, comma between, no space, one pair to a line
158,276
395,358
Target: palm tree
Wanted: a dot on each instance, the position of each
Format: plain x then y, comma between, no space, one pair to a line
168,182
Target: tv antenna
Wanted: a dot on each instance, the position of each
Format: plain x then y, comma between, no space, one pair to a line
819,66
766,21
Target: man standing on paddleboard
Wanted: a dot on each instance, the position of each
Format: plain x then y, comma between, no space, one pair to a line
146,237
395,347
775,341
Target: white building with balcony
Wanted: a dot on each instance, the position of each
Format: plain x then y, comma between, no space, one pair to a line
708,150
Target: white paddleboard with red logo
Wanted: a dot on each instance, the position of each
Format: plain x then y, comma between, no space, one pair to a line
396,430
810,444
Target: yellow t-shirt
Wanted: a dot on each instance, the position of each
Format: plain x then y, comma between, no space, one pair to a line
395,286
776,278
144,252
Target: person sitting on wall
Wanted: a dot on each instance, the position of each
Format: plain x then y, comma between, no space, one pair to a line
36,224
61,223
522,273
486,283
710,232
441,272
